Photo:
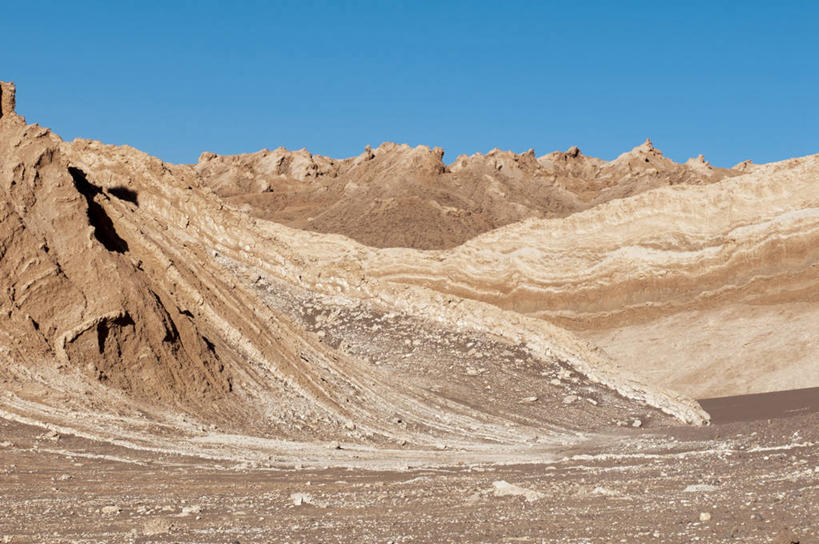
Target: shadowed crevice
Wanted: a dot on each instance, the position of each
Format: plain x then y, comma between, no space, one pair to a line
124,193
104,230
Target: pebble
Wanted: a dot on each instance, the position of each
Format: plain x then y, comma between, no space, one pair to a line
705,516
700,488
188,510
568,399
111,509
502,488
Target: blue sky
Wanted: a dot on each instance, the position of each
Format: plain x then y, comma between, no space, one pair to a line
730,80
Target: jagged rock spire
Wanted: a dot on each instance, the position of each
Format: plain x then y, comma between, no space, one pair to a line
7,91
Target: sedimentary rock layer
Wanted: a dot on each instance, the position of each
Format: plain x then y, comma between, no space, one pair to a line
709,289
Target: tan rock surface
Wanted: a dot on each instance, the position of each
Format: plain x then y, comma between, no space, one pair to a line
708,290
399,196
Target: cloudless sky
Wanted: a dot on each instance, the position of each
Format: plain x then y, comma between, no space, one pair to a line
730,80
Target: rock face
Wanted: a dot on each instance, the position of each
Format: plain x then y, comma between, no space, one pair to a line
399,196
74,294
131,289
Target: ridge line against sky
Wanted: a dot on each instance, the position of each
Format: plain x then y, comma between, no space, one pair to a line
732,81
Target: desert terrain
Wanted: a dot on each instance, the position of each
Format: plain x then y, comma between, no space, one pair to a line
285,347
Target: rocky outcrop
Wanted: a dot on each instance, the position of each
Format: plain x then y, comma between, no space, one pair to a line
399,196
7,99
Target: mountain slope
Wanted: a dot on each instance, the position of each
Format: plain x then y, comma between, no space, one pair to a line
709,290
141,307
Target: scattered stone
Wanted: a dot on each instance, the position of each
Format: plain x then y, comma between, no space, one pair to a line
502,488
604,491
54,436
528,400
556,382
569,399
334,446
156,526
188,510
300,499
111,509
700,488
786,536
637,423
592,402
705,516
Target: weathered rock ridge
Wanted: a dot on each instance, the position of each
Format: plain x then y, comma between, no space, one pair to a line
399,196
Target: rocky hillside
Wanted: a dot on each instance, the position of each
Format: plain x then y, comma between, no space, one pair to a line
132,294
399,196
708,290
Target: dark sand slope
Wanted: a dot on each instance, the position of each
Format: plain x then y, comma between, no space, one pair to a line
762,405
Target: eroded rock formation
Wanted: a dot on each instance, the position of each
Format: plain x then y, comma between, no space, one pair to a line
399,196
131,290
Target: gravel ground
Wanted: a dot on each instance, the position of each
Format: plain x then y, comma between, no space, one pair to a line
738,481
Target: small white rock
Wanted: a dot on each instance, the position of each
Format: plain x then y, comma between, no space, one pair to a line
188,510
700,488
502,488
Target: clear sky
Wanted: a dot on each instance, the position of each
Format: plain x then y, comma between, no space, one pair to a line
730,80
